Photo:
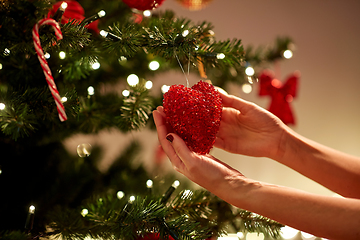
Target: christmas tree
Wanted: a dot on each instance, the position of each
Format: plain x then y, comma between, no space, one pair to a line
104,44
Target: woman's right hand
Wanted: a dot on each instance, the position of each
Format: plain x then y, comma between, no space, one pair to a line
250,130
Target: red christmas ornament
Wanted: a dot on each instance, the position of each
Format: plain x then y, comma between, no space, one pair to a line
281,94
73,11
143,4
194,114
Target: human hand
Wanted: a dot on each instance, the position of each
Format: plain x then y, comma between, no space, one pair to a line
205,170
249,129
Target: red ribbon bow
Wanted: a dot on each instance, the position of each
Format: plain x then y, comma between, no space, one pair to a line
281,94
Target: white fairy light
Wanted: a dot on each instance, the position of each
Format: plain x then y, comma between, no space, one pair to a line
288,54
147,13
95,65
101,14
220,56
132,79
250,71
149,183
154,65
247,88
176,183
91,90
62,55
63,99
120,194
2,106
84,212
131,199
148,84
47,55
6,52
32,209
125,93
103,33
185,33
64,5
165,88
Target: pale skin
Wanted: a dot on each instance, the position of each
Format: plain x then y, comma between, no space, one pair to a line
251,130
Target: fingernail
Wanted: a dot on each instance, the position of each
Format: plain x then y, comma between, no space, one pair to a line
170,138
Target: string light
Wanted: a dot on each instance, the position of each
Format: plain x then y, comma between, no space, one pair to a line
126,93
149,183
132,79
120,194
47,55
91,90
2,106
62,55
170,191
246,88
60,11
288,54
154,65
185,33
250,71
147,13
149,186
98,15
148,84
95,65
63,99
131,199
30,218
84,212
6,52
110,35
220,56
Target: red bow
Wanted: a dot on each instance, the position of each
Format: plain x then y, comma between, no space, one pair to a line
281,94
73,11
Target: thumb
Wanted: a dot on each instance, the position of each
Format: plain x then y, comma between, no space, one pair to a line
237,103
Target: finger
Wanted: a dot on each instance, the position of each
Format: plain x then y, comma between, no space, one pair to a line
182,151
161,110
162,132
237,103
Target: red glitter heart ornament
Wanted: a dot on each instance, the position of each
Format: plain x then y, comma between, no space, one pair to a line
194,114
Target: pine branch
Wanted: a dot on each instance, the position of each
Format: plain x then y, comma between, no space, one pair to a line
136,108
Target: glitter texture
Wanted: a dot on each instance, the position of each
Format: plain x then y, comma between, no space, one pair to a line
194,114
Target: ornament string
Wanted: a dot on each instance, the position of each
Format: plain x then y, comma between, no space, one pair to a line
182,69
44,64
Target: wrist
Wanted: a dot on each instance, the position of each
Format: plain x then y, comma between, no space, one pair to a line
238,191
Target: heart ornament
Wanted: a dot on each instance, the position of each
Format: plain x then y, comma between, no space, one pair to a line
194,114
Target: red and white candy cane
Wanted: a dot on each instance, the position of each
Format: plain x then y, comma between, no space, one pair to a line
44,64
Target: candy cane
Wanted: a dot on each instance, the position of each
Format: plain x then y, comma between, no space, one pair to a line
44,64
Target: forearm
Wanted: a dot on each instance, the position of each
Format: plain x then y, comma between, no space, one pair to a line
329,217
333,169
